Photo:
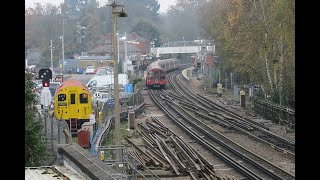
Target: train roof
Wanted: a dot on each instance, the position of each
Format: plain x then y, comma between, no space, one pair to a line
157,64
72,83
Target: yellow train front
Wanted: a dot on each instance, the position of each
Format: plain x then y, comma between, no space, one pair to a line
73,103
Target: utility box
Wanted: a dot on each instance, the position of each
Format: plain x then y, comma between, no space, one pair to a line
243,98
131,119
84,138
88,126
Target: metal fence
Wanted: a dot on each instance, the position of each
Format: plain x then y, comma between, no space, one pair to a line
275,113
55,131
126,164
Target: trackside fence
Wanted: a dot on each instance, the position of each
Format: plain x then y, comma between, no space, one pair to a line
275,113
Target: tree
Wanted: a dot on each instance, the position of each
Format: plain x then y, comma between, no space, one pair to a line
90,23
75,7
142,8
137,10
147,30
178,14
34,137
256,40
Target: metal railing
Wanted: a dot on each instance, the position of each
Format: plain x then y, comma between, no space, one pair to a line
275,113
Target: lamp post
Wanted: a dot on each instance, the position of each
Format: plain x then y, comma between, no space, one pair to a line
115,14
51,48
62,41
184,44
125,53
168,41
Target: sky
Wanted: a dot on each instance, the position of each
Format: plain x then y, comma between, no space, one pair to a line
164,4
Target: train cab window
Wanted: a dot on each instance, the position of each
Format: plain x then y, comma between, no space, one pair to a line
83,98
162,75
150,75
72,99
62,97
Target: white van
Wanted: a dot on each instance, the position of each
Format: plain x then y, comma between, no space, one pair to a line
106,80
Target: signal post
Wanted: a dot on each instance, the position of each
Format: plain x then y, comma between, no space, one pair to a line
46,76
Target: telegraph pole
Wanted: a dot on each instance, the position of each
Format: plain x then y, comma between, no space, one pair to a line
115,14
116,81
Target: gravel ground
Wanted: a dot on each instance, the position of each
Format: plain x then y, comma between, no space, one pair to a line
221,168
283,161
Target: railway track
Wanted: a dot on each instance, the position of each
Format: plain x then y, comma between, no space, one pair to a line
208,109
232,162
228,149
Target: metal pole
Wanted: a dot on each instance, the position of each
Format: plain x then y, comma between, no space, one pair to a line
231,83
27,53
51,55
219,75
62,45
58,132
210,79
45,123
125,54
118,47
52,135
116,82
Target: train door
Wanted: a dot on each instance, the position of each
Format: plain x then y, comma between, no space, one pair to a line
156,76
150,77
73,107
162,76
83,106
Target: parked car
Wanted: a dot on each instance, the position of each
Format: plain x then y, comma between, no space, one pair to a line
104,70
90,70
59,78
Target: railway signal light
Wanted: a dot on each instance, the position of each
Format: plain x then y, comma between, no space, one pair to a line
45,74
45,82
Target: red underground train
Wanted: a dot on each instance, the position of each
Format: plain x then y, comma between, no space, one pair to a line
156,72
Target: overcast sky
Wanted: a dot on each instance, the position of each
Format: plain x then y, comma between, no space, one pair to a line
164,4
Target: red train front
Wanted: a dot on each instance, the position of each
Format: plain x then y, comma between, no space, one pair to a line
156,72
156,78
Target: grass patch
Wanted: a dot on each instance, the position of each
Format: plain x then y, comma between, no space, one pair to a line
75,140
123,132
110,140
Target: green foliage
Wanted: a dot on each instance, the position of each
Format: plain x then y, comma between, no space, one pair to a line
255,39
135,80
34,144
